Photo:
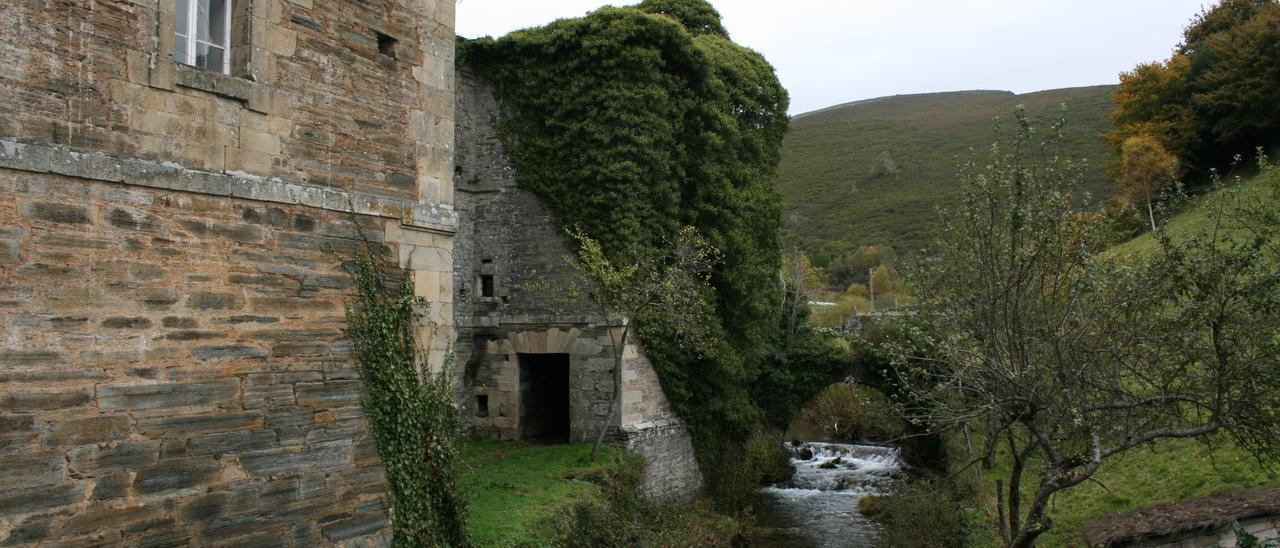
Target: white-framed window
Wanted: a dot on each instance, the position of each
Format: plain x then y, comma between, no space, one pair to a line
202,34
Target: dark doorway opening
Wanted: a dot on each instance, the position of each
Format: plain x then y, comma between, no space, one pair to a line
544,397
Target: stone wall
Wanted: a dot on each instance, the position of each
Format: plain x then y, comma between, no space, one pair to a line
310,97
509,241
174,369
1264,528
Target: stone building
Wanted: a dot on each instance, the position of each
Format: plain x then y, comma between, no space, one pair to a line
177,181
173,177
537,367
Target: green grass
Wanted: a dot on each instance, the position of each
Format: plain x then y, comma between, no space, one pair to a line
515,488
1169,471
834,202
1196,218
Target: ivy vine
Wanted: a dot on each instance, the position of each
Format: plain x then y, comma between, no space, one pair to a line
411,411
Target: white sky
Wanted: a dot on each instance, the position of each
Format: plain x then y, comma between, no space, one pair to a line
829,52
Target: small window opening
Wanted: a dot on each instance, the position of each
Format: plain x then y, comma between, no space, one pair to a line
482,405
202,34
386,44
486,285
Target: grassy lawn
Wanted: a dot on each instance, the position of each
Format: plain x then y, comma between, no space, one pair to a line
1170,471
515,487
1197,218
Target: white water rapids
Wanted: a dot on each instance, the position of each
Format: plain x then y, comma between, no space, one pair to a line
818,507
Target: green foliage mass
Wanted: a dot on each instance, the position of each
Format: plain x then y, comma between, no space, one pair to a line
411,412
837,199
634,122
1217,96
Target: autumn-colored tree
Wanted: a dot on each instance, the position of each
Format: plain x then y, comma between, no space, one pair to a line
1154,100
1145,170
1217,96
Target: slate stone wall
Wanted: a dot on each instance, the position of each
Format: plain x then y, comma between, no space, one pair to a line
310,97
1264,528
173,370
508,235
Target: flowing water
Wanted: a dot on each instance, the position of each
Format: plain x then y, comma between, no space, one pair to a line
818,507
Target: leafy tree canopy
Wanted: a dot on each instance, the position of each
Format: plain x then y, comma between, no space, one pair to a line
1217,96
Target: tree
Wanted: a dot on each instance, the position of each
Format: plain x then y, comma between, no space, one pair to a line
1145,170
1217,96
1154,99
800,278
674,282
1068,356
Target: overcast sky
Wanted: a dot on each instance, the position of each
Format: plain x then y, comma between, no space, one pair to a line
829,52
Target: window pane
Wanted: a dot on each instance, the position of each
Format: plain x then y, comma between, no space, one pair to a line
209,57
180,49
182,16
211,21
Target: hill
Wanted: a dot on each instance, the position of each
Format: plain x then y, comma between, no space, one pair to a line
873,172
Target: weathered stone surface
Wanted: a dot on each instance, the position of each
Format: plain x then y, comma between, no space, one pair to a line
43,399
126,323
30,470
146,396
57,213
227,352
353,526
214,301
91,429
152,217
174,474
111,485
328,394
35,499
312,458
175,426
129,455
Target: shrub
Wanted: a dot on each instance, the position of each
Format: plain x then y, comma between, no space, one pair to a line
851,412
623,517
924,514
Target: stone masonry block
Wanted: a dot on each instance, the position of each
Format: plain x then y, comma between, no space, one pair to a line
167,395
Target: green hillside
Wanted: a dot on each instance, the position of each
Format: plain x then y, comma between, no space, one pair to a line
873,172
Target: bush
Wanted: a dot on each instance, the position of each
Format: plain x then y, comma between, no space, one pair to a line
850,412
924,514
623,517
769,458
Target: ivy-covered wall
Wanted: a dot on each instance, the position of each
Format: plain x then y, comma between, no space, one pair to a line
634,122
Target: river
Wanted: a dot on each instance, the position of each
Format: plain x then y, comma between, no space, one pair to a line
818,507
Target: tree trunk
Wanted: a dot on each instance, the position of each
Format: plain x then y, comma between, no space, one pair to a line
619,348
1151,215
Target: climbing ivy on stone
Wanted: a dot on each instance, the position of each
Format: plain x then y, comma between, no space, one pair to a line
412,413
634,122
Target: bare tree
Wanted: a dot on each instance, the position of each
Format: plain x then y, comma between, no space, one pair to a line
1065,355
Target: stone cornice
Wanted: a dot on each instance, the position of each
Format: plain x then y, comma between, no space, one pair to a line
97,166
